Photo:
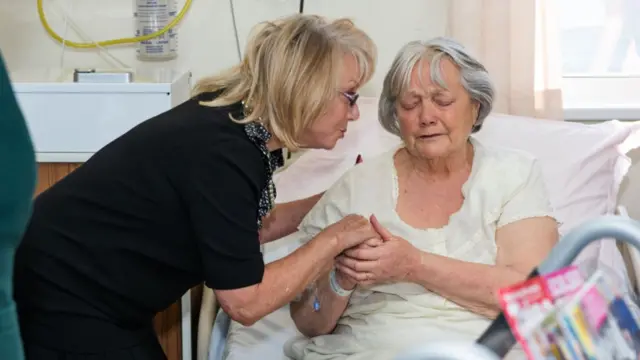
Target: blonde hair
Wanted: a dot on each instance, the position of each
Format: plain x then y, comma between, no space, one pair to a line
290,71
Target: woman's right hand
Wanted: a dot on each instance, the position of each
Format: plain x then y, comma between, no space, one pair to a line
351,231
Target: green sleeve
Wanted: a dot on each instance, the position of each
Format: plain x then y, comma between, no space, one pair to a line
17,183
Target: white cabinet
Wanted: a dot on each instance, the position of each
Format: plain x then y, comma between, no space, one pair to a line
70,121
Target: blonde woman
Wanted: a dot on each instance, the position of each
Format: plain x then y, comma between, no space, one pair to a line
187,197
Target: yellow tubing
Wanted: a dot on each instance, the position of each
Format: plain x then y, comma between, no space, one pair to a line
131,40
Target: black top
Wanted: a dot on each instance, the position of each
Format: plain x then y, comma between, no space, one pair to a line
171,203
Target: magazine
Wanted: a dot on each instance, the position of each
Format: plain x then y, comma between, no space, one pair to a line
529,310
545,338
589,320
562,316
627,322
572,318
524,301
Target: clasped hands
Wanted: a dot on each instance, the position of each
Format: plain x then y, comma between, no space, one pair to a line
379,258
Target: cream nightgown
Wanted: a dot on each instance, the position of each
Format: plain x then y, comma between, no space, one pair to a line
504,186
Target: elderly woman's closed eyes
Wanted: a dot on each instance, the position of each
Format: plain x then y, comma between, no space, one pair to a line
457,219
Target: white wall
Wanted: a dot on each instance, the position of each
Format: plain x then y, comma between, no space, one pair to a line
206,36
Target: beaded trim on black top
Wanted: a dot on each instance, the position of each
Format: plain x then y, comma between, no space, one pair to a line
272,161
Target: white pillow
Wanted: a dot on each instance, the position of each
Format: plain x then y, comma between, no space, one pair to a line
583,166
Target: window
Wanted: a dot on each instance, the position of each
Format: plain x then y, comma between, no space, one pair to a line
600,45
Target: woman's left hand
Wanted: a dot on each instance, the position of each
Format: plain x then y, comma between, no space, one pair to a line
392,261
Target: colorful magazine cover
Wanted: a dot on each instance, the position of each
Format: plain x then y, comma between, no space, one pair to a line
627,322
562,316
549,339
522,302
564,282
589,319
528,307
566,347
572,322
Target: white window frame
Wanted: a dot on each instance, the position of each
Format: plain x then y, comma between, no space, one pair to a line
597,98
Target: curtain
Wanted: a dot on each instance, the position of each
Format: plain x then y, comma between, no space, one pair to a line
517,40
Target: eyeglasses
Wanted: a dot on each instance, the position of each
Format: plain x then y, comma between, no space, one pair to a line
351,96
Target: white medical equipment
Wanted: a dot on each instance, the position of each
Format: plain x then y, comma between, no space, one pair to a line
152,16
69,121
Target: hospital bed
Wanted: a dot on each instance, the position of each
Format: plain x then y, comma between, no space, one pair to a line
583,165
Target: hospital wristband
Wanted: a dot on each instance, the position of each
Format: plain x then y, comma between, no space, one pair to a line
335,286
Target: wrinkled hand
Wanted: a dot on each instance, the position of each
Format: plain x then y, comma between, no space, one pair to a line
347,282
351,231
391,261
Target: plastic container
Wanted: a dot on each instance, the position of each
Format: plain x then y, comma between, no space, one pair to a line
151,16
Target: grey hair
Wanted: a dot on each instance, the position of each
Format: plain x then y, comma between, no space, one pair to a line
473,77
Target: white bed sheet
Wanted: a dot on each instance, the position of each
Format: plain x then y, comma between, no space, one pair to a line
264,340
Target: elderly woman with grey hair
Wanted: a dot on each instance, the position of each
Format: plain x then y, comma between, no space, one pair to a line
457,220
